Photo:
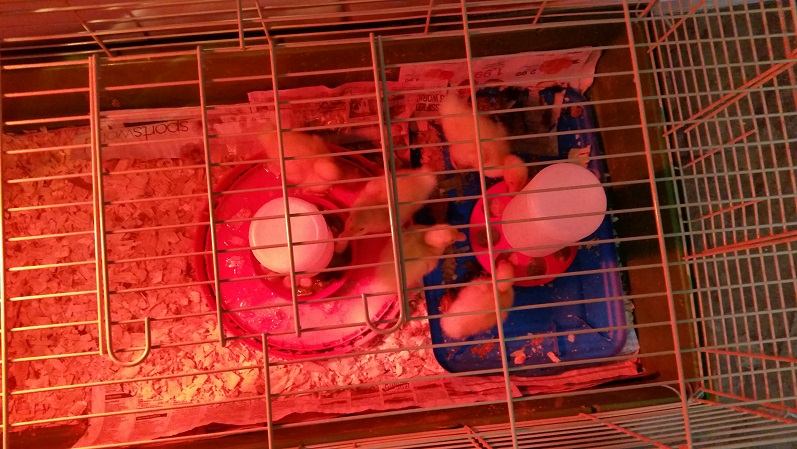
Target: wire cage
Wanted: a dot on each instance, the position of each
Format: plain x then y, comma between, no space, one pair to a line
135,138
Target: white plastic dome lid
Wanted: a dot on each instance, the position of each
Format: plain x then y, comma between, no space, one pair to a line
581,193
315,256
538,221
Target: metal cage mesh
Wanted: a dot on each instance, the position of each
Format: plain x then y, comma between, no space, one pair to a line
728,90
695,105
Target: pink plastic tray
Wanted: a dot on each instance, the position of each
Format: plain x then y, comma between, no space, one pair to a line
244,286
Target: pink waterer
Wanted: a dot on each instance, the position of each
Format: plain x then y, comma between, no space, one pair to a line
253,272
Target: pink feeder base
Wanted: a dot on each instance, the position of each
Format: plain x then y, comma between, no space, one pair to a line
525,266
266,296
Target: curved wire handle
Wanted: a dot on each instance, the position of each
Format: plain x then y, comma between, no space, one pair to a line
382,110
109,343
399,320
98,199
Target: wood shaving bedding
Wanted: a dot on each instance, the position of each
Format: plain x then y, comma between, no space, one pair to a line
188,341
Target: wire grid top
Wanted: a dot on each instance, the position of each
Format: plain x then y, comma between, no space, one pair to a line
52,29
239,41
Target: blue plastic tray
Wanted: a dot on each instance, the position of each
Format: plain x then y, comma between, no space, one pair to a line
534,324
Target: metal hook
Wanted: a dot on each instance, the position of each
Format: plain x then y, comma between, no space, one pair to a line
211,206
267,382
284,185
98,200
141,358
400,319
383,113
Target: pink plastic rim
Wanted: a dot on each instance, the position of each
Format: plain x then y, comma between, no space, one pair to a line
525,266
357,336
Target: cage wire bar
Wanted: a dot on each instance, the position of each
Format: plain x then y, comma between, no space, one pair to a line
211,203
3,320
132,27
391,185
713,94
489,226
682,387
